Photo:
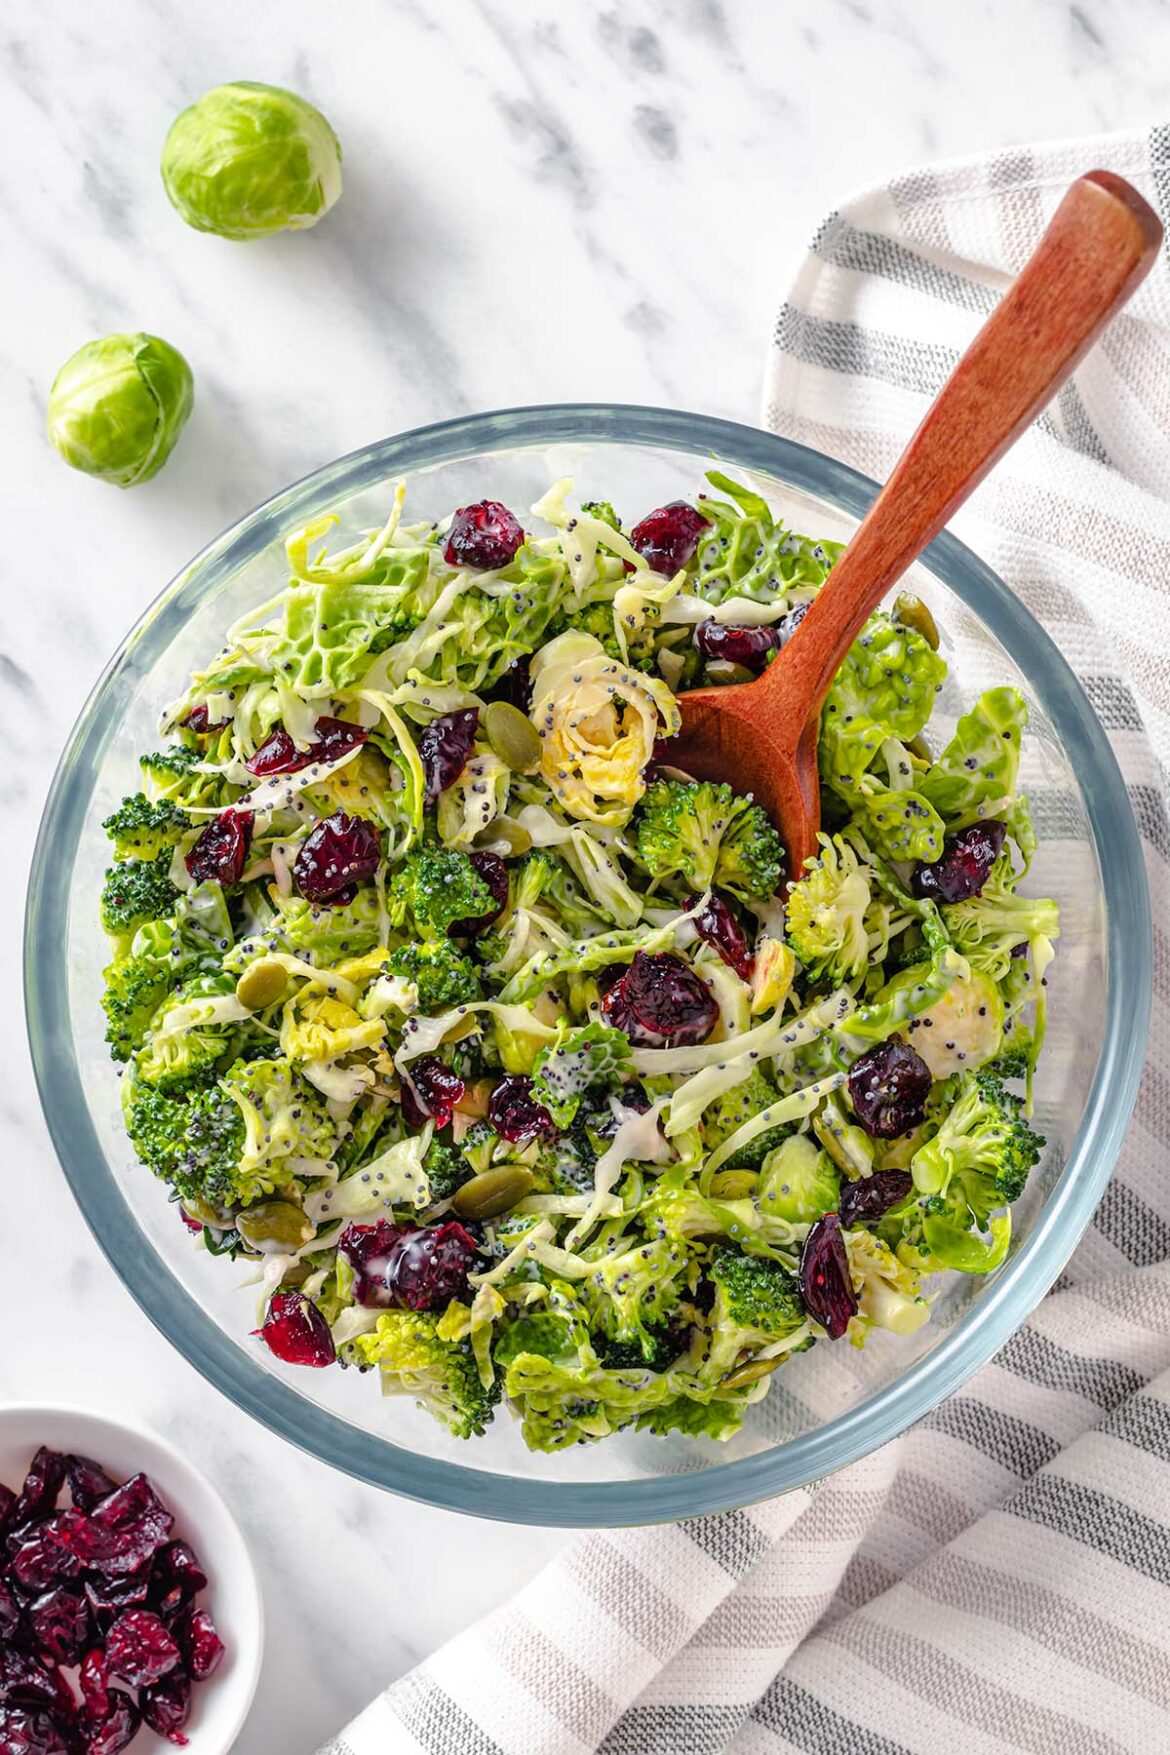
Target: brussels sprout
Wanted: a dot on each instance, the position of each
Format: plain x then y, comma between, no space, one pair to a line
251,159
118,405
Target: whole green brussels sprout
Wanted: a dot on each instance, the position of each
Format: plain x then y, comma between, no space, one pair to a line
118,405
251,159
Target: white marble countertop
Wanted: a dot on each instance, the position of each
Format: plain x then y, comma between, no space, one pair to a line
542,203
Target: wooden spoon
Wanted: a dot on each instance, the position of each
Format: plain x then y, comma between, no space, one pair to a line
762,736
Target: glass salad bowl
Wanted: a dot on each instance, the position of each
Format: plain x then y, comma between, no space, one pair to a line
827,1407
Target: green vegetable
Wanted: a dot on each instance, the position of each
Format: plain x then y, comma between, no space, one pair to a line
137,890
443,976
118,405
192,1140
747,553
190,1035
562,1072
445,1168
142,830
798,1182
284,1117
249,159
975,775
704,835
983,1144
756,1303
825,915
437,886
729,1112
441,1375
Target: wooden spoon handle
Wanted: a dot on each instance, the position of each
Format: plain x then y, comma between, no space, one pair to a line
1102,241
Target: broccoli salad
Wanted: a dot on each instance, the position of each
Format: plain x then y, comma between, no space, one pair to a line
508,1061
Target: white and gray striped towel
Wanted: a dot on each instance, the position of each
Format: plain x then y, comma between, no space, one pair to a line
999,1578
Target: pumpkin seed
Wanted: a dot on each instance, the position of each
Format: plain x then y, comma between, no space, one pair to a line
753,1372
733,1184
262,984
203,1212
913,613
725,670
493,1192
503,834
275,1221
512,735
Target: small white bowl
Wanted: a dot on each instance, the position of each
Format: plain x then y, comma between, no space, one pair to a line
219,1706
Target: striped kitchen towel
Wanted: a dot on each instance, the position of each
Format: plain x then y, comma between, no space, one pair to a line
999,1578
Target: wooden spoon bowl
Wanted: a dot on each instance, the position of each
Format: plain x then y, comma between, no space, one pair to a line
762,736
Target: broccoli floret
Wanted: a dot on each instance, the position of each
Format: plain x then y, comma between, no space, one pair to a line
825,915
983,1147
443,975
756,1302
987,928
798,1182
1015,1059
603,511
658,1348
169,764
189,1035
192,1141
564,1071
597,619
142,830
445,1169
703,834
284,1117
436,887
479,1146
729,1112
442,1375
136,890
633,1293
137,983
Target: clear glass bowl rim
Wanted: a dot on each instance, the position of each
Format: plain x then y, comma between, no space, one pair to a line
1014,1292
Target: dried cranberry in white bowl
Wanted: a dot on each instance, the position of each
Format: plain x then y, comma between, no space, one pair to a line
202,1519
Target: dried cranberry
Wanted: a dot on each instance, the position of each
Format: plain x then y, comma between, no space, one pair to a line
485,535
42,1486
430,1092
178,1576
429,1267
888,1088
443,749
59,1619
516,1115
108,1551
221,852
367,1249
871,1196
965,865
25,1680
296,1332
25,1732
201,1645
278,754
825,1284
751,647
340,851
9,1612
494,873
661,1003
88,1481
139,1648
667,538
198,720
166,1707
94,1680
515,686
7,1502
132,1504
109,1596
112,1733
37,1561
718,927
